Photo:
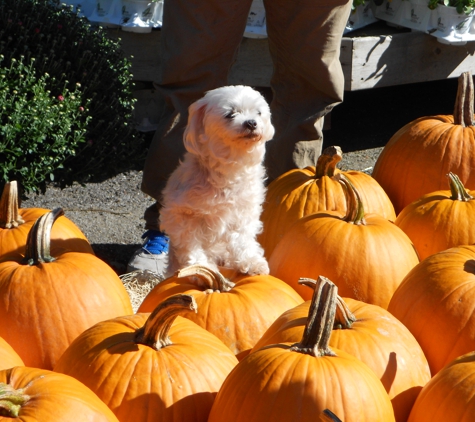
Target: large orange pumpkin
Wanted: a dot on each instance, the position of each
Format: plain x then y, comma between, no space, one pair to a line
298,381
371,334
16,222
416,159
435,301
301,192
449,396
157,366
47,301
235,307
365,255
8,357
32,394
440,220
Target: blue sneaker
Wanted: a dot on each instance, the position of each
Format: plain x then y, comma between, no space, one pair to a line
153,255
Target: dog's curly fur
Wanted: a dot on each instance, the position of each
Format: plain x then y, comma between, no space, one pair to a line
213,200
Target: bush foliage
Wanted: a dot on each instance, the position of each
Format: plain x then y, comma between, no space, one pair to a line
79,60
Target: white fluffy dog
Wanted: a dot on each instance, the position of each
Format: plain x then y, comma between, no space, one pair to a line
213,200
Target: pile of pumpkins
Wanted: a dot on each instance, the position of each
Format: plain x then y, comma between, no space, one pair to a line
367,314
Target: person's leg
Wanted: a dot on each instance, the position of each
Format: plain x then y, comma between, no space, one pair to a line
304,41
198,45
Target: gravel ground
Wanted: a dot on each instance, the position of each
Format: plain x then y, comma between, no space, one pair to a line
110,212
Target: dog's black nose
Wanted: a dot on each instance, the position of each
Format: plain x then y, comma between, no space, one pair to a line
250,124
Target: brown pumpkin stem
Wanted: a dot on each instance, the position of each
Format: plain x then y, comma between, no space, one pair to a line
459,193
329,416
354,205
9,207
38,242
206,278
11,400
321,317
326,163
344,318
463,110
154,333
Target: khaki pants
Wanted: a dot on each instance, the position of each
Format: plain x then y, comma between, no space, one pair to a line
199,44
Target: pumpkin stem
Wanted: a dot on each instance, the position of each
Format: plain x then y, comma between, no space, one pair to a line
354,205
321,317
39,238
11,400
463,110
459,193
329,416
206,278
154,333
326,163
344,318
9,207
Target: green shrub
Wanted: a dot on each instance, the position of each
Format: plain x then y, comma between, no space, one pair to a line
38,130
66,46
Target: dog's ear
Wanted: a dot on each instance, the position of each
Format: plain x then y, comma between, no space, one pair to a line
195,127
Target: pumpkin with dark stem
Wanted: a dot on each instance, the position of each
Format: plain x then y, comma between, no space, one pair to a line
298,381
301,192
156,367
47,301
416,159
365,255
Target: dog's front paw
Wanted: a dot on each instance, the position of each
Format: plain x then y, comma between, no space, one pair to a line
257,267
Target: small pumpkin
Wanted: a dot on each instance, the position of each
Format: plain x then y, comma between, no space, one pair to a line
235,307
46,301
8,357
435,301
157,366
298,381
371,334
301,192
32,394
418,156
440,220
365,255
16,223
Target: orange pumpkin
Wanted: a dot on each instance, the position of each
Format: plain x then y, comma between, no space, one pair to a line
416,159
32,394
449,395
440,220
371,334
298,381
8,357
46,302
435,301
302,192
235,307
152,366
365,255
15,224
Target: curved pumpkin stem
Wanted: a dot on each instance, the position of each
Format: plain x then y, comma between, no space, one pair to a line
9,207
155,331
38,243
329,416
206,278
463,110
355,210
11,400
344,318
459,193
326,163
321,317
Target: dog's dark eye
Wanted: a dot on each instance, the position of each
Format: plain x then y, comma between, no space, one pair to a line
230,114
259,113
